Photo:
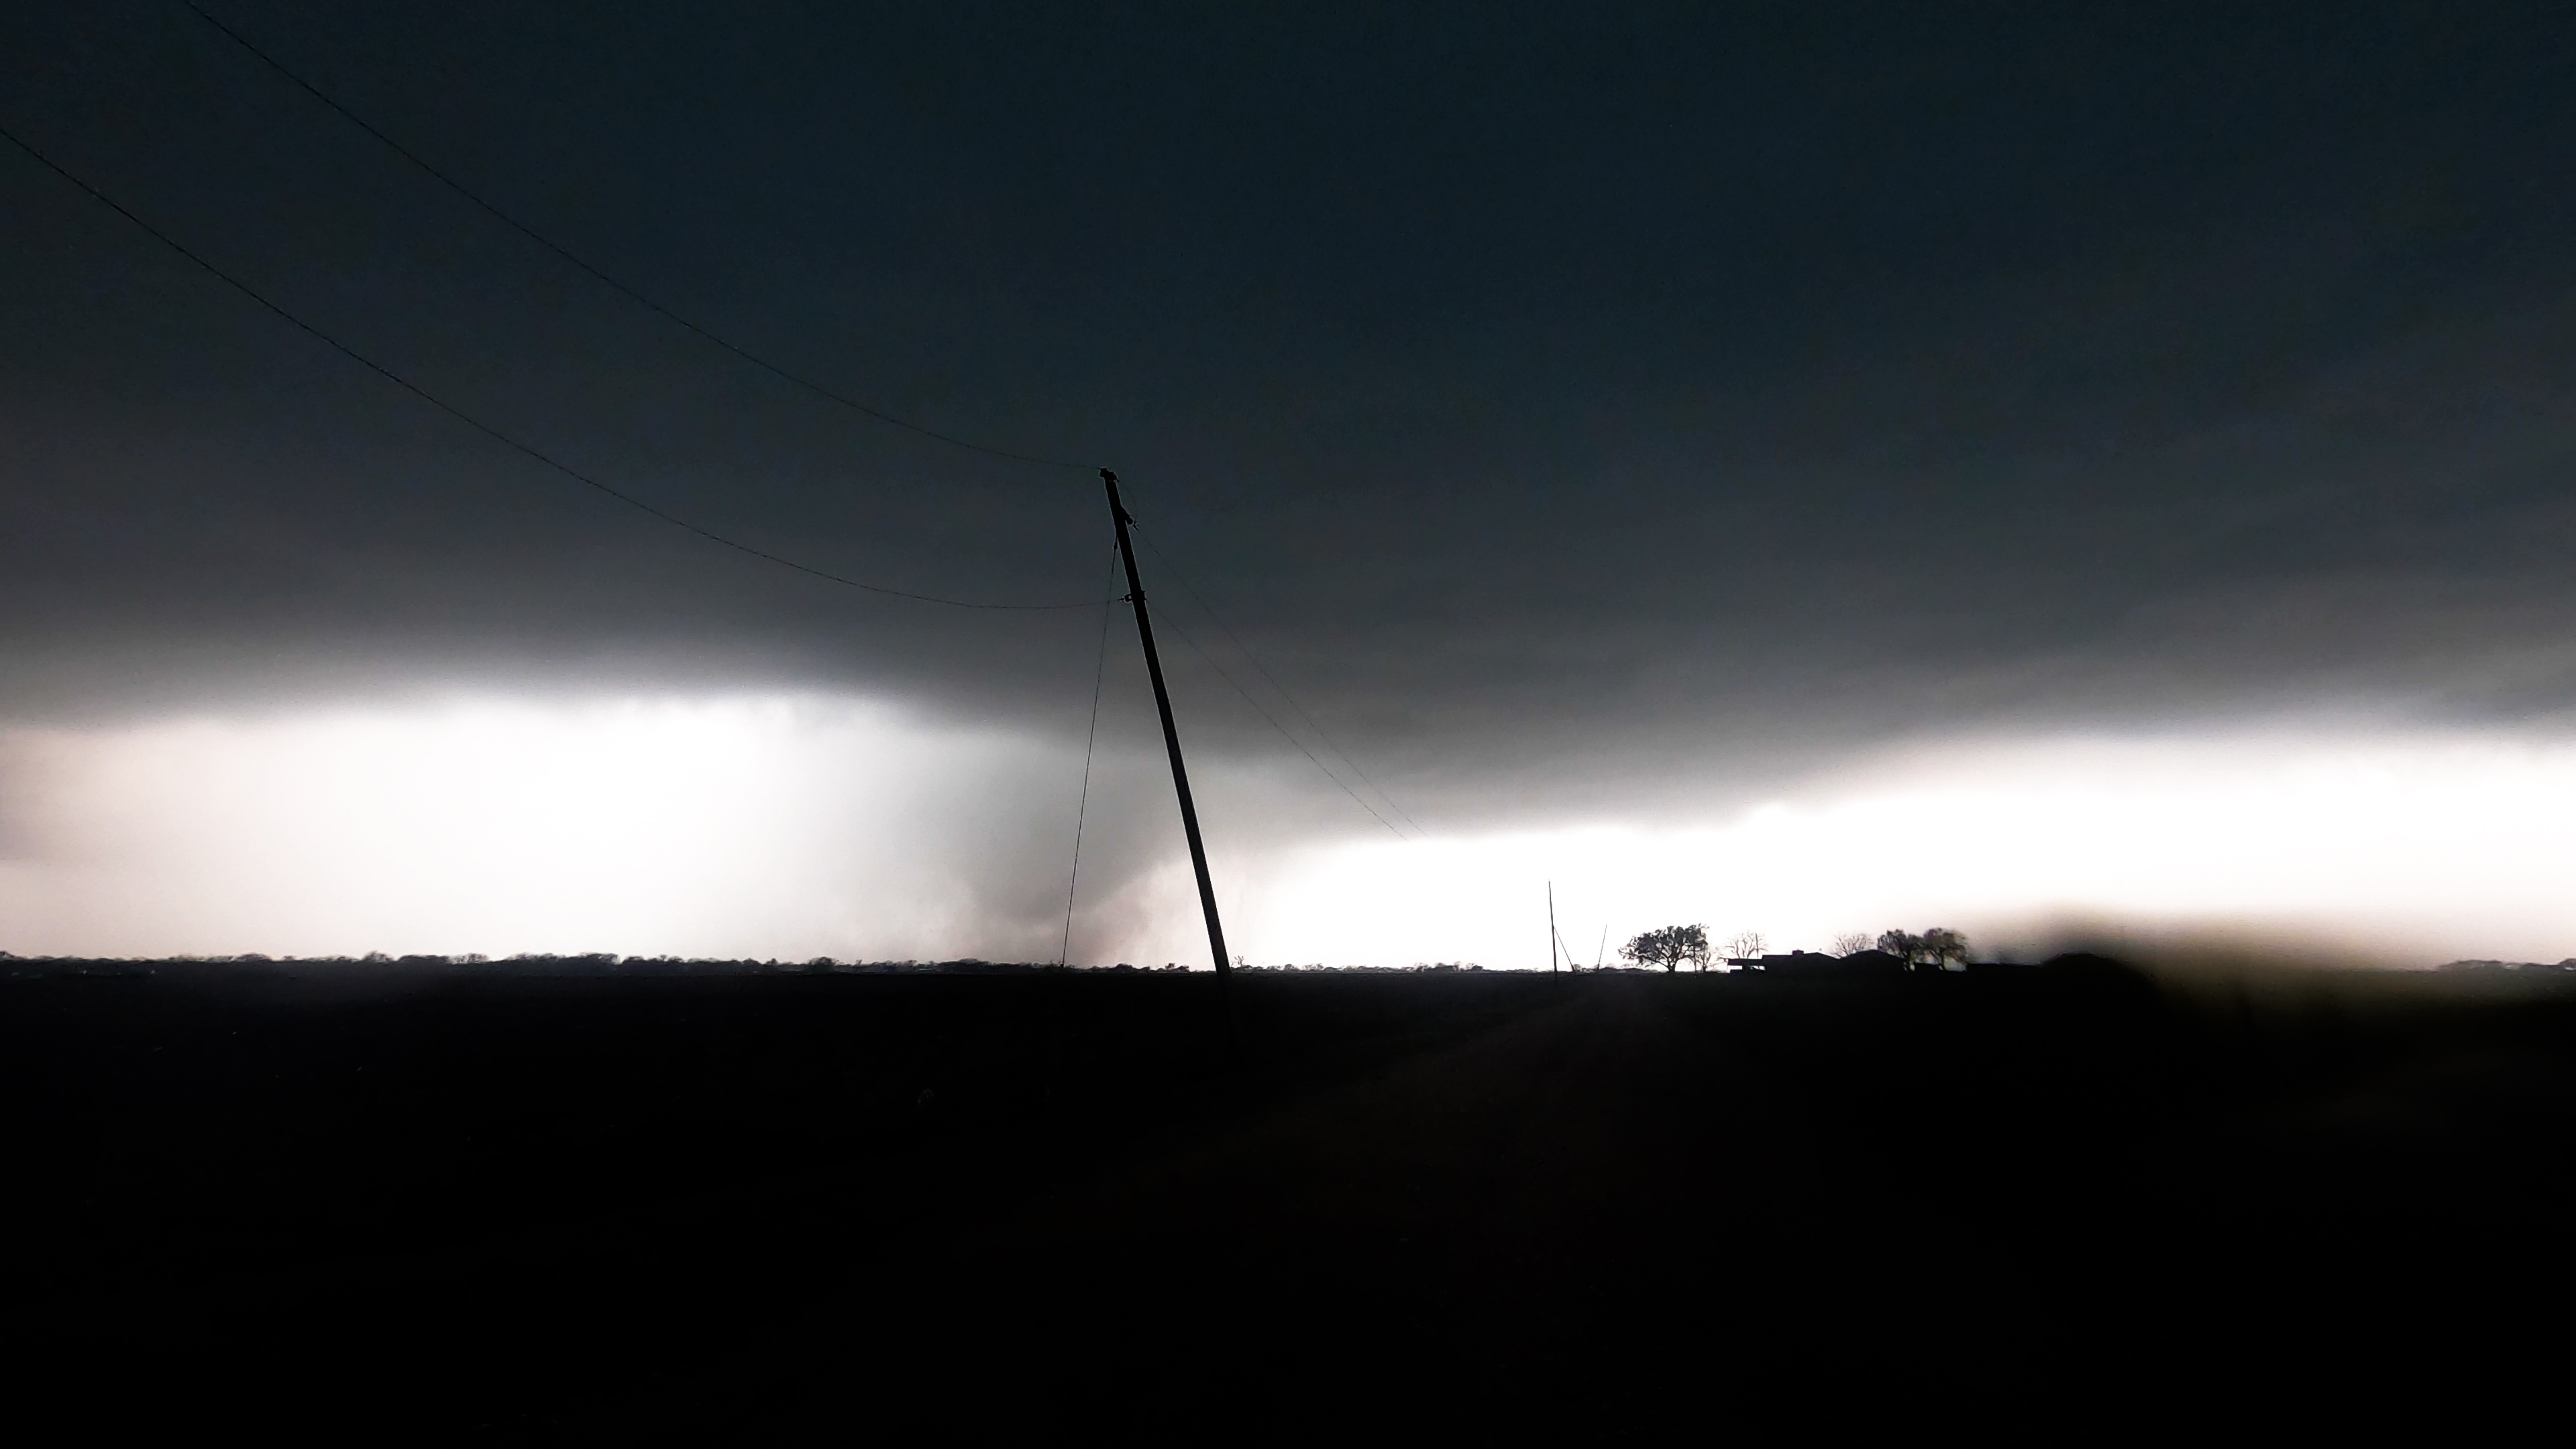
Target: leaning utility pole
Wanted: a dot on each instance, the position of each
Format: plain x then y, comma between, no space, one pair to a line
1171,736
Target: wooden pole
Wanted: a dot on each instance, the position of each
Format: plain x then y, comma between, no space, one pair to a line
1171,736
1551,927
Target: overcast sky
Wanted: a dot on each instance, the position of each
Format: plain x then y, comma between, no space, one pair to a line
1599,417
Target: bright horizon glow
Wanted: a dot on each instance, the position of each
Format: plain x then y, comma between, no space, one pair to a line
795,827
2410,851
718,827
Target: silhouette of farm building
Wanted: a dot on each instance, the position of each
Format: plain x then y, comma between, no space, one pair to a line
1817,963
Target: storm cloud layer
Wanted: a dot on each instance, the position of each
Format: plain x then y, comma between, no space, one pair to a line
1604,411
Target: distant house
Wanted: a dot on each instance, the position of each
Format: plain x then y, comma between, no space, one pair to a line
1817,963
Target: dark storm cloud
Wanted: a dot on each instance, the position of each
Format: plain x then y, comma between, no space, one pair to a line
1613,382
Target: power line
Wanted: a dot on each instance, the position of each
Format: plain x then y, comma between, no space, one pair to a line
1255,661
489,431
532,234
1283,730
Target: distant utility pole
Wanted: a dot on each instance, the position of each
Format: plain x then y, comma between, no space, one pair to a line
1171,736
1551,927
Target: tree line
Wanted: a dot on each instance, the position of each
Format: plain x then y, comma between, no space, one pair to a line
1673,947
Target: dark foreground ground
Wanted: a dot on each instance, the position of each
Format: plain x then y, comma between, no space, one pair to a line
732,1209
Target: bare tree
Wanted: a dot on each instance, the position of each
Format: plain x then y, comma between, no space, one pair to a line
1745,945
1669,947
1851,941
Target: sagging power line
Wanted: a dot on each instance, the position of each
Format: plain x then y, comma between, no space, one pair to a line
487,429
605,279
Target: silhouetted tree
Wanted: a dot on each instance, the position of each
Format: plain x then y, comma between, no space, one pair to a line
1851,941
1935,947
1646,948
1669,947
1744,945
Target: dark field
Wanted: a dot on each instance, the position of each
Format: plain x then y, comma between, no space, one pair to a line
473,1205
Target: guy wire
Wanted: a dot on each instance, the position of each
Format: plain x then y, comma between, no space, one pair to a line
1099,672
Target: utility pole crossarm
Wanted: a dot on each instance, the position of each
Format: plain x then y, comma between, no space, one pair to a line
1119,516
